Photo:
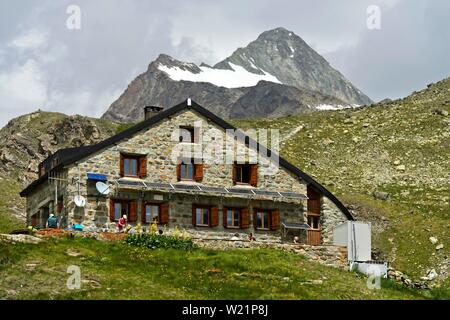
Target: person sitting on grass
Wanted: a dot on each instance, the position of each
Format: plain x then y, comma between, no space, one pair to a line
52,222
122,223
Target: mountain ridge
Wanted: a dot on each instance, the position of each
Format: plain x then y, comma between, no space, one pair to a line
277,57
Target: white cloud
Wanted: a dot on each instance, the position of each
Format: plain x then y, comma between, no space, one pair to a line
25,82
30,40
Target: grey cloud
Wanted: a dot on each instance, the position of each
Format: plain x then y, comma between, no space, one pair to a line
83,71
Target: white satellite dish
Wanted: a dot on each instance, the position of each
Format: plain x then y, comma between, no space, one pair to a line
102,188
80,201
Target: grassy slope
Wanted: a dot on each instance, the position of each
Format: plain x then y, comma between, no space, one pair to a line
355,152
116,271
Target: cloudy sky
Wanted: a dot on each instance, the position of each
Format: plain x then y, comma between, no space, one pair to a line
43,64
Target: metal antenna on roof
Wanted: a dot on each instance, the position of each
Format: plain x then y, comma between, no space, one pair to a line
189,102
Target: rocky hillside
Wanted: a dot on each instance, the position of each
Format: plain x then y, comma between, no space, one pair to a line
278,64
390,163
27,140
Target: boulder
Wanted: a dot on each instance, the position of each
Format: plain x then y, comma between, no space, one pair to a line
380,195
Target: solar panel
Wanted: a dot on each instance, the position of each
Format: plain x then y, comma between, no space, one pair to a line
131,183
240,191
186,187
157,185
267,193
293,195
213,189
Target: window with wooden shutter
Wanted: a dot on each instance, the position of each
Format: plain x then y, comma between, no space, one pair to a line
253,175
179,171
164,214
198,172
262,219
244,218
143,167
214,217
274,220
132,211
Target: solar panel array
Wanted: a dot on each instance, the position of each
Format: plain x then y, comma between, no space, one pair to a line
209,189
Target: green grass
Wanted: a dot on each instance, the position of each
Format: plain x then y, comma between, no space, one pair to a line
117,271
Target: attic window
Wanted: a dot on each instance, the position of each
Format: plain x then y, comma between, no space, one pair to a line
187,134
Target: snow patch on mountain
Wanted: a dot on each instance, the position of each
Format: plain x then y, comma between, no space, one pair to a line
235,78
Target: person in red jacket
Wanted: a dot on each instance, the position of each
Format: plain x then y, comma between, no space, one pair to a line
122,223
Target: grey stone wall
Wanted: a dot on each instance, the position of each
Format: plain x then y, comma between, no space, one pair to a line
330,217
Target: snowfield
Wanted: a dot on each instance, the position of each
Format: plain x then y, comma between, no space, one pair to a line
238,77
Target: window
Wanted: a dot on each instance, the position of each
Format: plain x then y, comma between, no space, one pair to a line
314,222
187,134
262,219
242,173
202,216
120,209
233,216
130,167
133,166
187,170
245,174
151,213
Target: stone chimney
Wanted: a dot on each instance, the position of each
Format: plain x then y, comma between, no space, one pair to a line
150,111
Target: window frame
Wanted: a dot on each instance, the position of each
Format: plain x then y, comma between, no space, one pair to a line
191,131
133,158
233,212
203,215
122,203
313,216
264,211
152,204
191,163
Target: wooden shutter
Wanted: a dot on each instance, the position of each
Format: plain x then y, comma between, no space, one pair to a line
224,218
122,170
198,172
111,209
143,216
133,212
253,175
274,220
214,217
142,167
164,213
244,218
179,171
194,220
234,173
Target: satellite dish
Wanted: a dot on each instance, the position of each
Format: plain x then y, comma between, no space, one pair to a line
80,201
102,188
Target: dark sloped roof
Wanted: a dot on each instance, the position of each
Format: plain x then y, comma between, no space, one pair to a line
71,155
